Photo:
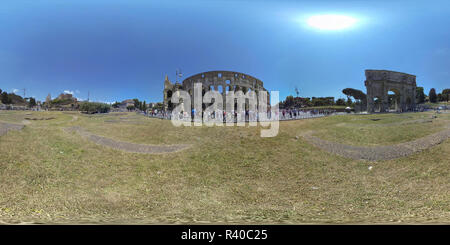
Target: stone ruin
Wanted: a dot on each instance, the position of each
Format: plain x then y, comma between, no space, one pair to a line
380,82
222,81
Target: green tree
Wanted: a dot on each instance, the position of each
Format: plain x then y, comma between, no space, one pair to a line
420,95
32,102
322,101
340,101
131,107
159,106
6,99
355,93
349,101
94,107
359,96
432,95
446,92
289,101
136,103
144,106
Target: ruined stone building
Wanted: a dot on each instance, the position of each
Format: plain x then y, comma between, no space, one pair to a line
65,96
380,82
221,81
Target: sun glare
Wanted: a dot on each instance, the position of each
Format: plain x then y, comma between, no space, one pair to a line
331,22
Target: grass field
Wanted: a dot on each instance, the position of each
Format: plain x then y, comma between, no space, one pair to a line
227,175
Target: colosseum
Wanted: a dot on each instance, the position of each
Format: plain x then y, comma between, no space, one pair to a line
222,81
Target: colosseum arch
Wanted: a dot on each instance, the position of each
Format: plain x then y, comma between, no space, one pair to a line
225,80
380,82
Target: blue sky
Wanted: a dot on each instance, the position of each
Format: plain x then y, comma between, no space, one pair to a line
122,49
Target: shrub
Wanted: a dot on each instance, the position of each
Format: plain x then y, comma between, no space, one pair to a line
420,95
432,95
94,107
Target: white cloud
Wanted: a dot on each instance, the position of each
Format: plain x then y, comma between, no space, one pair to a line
106,102
15,90
72,92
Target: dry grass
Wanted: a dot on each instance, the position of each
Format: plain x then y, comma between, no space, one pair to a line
230,175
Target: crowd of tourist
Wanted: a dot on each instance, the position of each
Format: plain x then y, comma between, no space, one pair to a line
291,114
247,115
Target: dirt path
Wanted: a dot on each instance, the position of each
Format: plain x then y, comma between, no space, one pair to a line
126,122
378,153
5,127
125,146
416,121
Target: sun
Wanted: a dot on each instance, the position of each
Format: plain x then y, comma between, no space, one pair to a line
331,22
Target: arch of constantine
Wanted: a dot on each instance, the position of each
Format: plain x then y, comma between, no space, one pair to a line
380,82
221,81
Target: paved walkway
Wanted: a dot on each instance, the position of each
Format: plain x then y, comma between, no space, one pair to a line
125,146
377,153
